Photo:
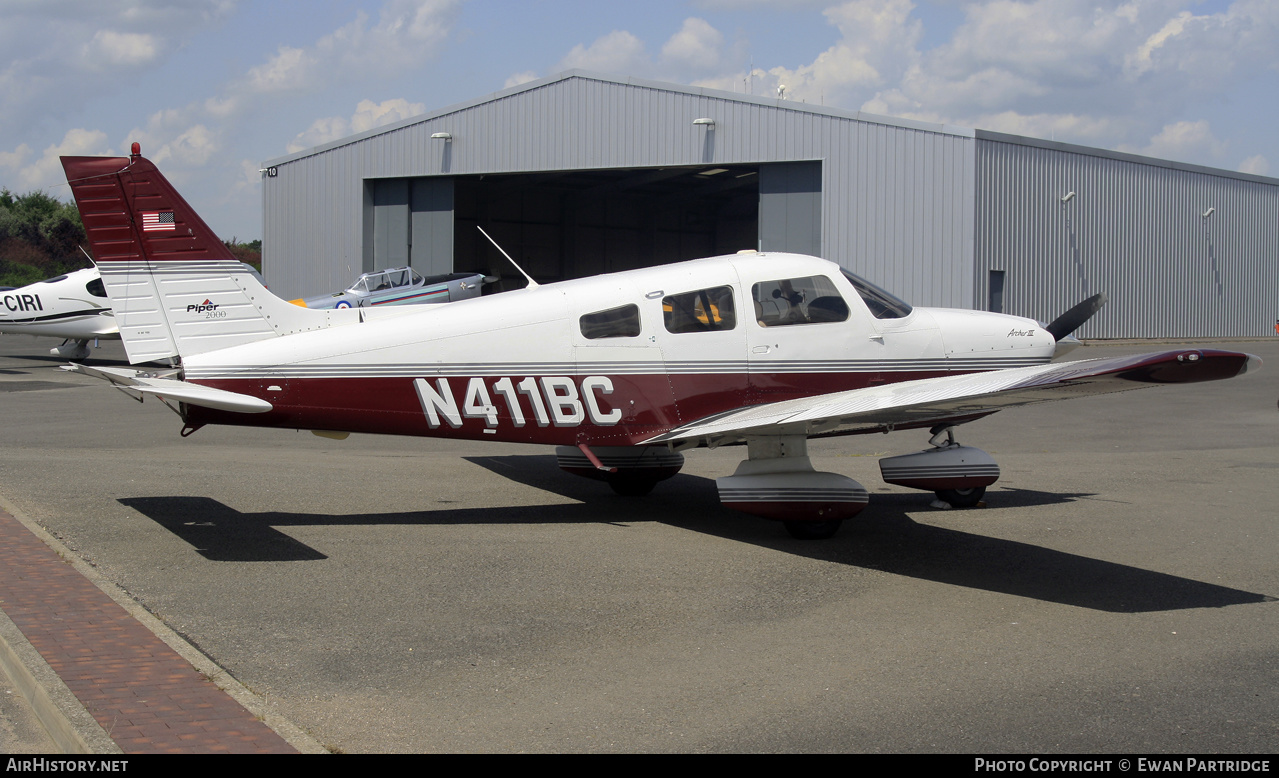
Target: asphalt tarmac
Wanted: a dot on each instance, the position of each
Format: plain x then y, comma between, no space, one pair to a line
1116,594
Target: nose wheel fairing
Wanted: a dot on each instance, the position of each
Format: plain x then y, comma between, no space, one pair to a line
631,471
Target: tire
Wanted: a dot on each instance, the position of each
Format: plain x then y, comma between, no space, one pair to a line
962,498
813,530
631,486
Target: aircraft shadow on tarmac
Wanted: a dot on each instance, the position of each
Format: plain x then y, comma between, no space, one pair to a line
884,538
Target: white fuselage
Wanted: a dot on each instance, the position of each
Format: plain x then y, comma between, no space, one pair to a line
523,366
73,306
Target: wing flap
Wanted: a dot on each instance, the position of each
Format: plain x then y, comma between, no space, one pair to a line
962,397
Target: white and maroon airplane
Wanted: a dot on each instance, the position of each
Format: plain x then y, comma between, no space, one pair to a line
622,371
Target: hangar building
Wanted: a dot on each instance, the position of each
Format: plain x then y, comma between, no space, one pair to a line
582,173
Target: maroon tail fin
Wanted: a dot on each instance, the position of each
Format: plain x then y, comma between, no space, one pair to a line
131,212
175,288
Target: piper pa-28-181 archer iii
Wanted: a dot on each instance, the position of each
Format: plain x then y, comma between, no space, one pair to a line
622,372
72,306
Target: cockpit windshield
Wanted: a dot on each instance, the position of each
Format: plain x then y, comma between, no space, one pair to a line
882,304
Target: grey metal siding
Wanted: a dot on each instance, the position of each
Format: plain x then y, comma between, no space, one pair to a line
1133,230
896,204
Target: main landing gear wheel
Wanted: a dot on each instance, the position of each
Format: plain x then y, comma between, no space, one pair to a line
630,486
962,498
813,530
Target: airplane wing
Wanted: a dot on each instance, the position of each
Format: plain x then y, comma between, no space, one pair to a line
959,398
137,383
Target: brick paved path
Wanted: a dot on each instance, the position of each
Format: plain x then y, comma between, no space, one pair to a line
147,697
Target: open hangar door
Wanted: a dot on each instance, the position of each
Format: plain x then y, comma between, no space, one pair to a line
571,224
581,223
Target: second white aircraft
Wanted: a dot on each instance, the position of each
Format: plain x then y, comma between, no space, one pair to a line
74,307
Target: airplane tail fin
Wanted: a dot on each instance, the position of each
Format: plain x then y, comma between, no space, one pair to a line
175,287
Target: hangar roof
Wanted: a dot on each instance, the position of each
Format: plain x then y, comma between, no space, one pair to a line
770,102
776,103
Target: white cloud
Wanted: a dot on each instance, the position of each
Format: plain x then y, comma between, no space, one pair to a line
109,47
1256,164
13,160
320,132
1185,140
520,78
367,116
250,179
617,52
697,46
46,172
1118,75
290,68
1080,129
407,33
191,148
695,53
57,55
877,45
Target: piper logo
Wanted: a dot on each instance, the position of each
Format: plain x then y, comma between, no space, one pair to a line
204,307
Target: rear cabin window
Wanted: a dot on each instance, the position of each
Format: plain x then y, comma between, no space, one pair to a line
623,322
787,301
705,310
95,288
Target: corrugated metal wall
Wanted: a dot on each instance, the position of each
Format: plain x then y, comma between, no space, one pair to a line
897,204
1134,229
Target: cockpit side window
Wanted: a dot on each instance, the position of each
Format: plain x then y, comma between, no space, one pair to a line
810,300
705,310
882,304
623,322
95,288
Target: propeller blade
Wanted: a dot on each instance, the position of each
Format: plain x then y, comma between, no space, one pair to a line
1073,319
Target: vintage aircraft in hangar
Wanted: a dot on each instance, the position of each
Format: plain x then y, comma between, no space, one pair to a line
74,307
622,372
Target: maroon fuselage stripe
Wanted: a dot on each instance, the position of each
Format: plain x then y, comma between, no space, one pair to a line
650,404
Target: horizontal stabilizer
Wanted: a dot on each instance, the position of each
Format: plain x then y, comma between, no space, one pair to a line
139,382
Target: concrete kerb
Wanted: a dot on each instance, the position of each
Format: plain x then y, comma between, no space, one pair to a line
71,727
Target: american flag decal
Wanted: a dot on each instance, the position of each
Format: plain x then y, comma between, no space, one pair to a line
157,221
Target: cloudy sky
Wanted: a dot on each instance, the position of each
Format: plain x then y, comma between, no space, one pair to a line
212,88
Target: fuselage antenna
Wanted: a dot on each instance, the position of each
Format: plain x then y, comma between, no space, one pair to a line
531,283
